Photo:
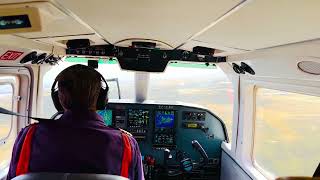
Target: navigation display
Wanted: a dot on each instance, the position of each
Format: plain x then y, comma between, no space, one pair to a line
106,116
165,119
138,118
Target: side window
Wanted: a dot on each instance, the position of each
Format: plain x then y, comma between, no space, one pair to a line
287,127
7,137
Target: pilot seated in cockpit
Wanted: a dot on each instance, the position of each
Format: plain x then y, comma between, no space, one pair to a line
78,142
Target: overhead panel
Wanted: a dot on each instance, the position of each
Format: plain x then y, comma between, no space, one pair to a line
169,21
267,23
220,50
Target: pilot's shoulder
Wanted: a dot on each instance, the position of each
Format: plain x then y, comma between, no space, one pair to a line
121,130
29,126
23,132
125,132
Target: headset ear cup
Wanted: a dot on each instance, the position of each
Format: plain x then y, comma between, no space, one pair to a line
102,99
55,97
56,101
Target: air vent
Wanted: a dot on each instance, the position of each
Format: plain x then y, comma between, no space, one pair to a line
309,67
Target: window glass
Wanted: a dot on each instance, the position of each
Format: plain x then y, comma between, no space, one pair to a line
6,96
287,130
205,86
111,72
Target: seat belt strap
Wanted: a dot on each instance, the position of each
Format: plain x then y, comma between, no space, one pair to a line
127,155
24,158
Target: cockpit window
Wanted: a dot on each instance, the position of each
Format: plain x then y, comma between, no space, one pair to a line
198,84
6,94
286,135
207,86
7,137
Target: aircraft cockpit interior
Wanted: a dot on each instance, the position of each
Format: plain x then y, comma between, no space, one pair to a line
190,90
173,138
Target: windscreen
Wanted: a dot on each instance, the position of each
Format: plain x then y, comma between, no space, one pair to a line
207,86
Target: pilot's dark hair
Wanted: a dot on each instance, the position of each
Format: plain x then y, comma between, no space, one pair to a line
79,87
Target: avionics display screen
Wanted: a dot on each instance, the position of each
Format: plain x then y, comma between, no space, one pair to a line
165,119
106,116
14,22
138,118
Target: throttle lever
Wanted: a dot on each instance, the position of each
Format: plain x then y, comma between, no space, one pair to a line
166,156
196,145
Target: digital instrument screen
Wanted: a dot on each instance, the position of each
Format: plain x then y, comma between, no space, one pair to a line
13,22
138,118
165,119
106,116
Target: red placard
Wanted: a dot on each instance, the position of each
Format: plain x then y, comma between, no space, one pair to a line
11,55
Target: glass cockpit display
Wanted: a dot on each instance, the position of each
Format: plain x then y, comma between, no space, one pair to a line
164,119
138,118
164,133
106,116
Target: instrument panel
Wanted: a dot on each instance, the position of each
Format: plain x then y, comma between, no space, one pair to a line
161,128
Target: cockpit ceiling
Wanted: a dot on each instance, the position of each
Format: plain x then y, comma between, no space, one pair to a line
267,23
233,26
170,21
258,24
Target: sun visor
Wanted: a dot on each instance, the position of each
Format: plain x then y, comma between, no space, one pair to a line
19,20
